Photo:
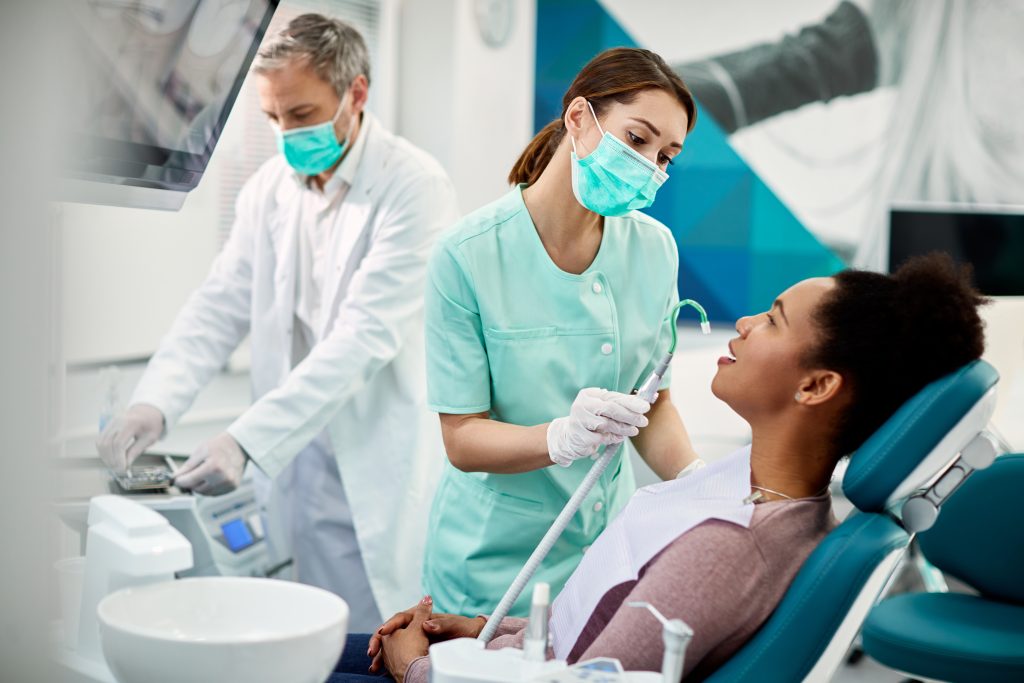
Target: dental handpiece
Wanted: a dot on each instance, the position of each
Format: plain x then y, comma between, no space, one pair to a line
649,389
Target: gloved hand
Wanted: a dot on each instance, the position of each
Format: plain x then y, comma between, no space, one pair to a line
214,468
598,417
128,434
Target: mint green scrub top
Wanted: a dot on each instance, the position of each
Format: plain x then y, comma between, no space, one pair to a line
510,333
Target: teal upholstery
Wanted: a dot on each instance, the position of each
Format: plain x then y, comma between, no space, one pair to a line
794,638
973,538
892,452
948,636
979,539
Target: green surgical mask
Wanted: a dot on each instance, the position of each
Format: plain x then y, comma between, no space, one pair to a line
614,179
311,150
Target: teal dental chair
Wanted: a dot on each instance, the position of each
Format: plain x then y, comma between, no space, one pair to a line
979,539
897,481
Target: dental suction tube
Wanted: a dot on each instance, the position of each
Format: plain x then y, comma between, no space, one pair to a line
705,326
542,549
649,389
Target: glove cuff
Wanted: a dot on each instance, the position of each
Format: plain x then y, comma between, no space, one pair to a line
554,435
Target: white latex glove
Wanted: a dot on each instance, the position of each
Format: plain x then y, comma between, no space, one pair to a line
598,417
128,435
214,468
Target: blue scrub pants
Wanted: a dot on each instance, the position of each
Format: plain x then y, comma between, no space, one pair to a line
354,665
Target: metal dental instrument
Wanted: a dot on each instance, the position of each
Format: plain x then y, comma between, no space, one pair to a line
676,635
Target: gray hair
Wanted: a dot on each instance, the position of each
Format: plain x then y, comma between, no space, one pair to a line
334,49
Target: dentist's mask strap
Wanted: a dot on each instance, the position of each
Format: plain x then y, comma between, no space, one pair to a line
614,178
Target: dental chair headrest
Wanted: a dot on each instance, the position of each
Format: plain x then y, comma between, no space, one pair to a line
921,438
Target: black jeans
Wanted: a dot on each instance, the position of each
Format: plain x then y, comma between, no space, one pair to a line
354,665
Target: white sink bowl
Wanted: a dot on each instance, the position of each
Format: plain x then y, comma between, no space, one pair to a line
224,629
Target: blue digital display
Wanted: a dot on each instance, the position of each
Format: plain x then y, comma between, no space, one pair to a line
237,534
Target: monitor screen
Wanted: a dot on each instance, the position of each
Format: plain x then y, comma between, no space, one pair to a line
155,83
991,241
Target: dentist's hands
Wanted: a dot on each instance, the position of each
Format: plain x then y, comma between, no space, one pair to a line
214,468
598,417
128,435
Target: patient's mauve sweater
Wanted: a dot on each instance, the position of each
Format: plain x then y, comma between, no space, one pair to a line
721,579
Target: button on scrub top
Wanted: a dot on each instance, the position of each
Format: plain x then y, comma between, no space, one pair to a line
510,333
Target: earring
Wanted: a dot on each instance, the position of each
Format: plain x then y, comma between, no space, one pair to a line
797,396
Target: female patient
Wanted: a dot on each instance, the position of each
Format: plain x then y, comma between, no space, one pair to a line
814,376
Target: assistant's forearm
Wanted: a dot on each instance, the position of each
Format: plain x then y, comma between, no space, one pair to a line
479,444
664,443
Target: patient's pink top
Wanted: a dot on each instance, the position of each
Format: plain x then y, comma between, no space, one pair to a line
721,579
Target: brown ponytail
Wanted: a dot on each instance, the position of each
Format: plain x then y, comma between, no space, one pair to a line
616,75
538,153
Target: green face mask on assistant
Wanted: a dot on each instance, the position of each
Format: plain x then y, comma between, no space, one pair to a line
311,150
614,179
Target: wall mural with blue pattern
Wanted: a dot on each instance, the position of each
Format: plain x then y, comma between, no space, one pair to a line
739,245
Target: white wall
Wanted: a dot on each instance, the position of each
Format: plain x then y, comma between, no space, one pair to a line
468,104
31,82
127,271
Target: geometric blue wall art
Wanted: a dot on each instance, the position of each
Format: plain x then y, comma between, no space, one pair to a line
739,245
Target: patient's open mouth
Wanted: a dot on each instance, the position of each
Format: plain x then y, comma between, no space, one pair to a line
729,358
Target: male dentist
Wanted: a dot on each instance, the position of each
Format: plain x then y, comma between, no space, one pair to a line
325,268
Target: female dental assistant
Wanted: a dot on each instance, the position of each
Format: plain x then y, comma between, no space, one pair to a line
543,311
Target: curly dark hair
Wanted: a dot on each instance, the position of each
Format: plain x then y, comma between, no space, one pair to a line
890,335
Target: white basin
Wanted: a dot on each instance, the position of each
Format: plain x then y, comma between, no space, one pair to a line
224,629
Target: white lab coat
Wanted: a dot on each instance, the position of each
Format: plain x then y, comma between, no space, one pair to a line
364,381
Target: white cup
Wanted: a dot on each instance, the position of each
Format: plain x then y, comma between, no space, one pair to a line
70,577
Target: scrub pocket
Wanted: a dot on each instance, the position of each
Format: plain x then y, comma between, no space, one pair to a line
479,538
537,372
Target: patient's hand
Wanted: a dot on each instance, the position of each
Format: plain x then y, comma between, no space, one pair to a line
401,645
437,627
447,626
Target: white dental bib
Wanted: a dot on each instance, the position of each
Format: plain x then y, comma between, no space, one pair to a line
655,516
